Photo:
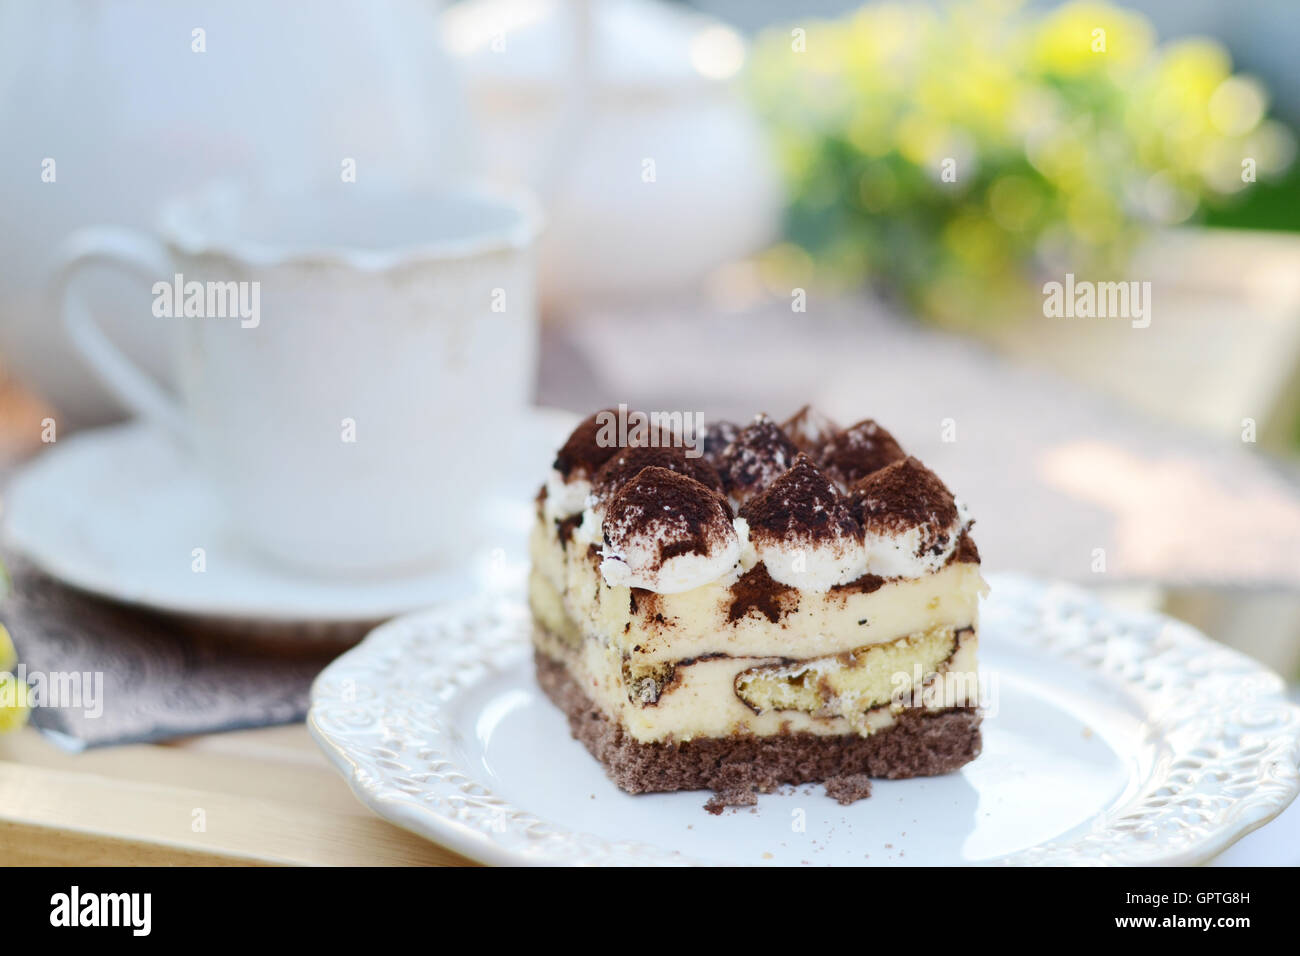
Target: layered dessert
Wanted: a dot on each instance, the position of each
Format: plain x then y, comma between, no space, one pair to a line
747,607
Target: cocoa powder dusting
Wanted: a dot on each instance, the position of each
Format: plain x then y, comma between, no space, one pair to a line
715,439
757,591
801,504
564,528
756,458
582,454
810,430
902,496
683,515
966,552
627,463
858,451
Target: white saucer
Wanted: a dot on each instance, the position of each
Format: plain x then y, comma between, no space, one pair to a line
118,511
1116,738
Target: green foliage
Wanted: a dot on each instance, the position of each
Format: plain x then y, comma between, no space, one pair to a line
1065,134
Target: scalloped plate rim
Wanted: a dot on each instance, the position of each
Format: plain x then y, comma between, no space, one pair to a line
1240,819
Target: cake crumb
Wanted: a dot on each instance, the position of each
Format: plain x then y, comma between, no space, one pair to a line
731,797
848,788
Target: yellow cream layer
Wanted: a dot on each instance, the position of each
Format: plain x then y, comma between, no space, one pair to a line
696,623
699,698
702,701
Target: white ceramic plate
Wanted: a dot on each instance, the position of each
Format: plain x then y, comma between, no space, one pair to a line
1111,737
117,512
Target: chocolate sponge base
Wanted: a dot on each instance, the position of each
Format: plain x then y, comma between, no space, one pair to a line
918,744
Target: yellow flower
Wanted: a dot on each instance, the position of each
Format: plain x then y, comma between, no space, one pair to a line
8,653
14,703
14,695
1079,38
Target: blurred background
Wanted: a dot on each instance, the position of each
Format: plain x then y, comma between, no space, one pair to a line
754,204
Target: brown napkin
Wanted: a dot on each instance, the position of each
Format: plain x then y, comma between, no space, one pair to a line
103,673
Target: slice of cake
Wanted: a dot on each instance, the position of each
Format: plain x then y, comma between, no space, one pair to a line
749,607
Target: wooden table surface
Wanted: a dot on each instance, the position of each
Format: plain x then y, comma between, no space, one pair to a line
266,796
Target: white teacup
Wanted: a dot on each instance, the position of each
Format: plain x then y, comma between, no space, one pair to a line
359,362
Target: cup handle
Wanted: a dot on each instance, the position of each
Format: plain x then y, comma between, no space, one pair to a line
136,253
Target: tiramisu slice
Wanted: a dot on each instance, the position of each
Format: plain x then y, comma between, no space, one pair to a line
742,608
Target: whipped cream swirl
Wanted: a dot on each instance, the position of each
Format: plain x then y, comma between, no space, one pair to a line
911,522
667,532
802,530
